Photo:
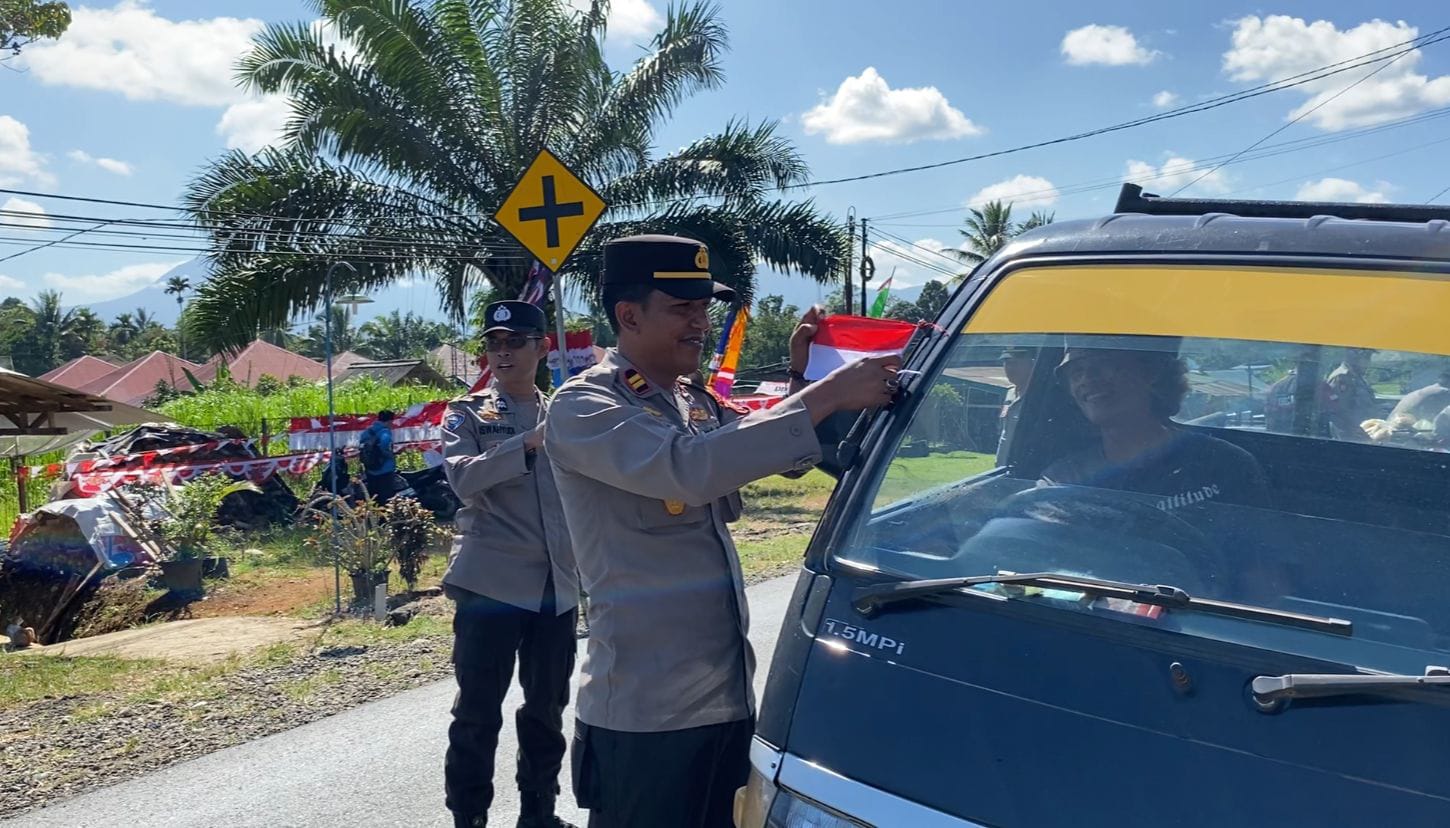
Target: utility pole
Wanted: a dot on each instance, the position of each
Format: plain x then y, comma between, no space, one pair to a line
865,274
850,245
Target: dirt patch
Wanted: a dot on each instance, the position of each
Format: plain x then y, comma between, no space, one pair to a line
263,593
199,641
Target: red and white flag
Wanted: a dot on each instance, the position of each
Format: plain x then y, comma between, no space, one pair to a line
841,339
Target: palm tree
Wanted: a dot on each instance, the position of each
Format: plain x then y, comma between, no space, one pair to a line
176,286
989,229
398,336
402,144
123,330
57,334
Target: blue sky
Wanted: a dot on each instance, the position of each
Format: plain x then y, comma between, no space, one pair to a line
138,96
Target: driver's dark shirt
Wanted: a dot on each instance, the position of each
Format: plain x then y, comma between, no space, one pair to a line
1190,468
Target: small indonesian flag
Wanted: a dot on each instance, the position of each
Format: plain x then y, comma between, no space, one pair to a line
841,339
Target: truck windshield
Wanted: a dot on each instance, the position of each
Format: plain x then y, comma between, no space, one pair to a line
1306,469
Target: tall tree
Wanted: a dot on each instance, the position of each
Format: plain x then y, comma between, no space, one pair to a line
23,22
933,298
17,328
989,229
404,141
767,335
344,335
178,286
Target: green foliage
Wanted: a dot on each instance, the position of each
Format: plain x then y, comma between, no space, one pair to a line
23,22
189,510
767,336
934,297
990,228
267,385
398,336
412,531
353,532
162,394
397,154
229,404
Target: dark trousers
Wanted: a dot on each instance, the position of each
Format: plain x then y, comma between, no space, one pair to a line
671,779
487,634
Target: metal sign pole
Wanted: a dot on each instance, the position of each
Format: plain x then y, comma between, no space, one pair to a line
563,373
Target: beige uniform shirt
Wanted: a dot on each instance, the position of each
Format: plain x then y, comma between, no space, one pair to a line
511,531
648,477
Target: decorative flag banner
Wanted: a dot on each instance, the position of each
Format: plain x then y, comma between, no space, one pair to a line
878,308
579,346
727,353
841,339
142,458
256,469
421,422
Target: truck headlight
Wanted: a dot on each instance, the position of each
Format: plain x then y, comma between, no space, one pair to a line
793,811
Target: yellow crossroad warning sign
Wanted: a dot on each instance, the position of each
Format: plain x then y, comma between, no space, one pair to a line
550,210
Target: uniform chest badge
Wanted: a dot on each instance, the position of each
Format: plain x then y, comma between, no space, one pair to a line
489,413
675,507
502,405
698,415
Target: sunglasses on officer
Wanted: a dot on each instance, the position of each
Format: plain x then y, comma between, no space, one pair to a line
512,342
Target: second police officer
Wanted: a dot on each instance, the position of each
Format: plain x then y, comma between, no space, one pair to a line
511,574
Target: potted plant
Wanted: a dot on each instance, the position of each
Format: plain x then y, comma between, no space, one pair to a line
412,532
187,522
358,540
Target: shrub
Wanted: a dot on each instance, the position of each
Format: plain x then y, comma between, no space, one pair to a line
267,385
413,531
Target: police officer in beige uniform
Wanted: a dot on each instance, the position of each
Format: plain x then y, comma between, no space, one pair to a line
512,576
648,467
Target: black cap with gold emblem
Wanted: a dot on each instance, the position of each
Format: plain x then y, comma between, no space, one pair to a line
515,317
672,264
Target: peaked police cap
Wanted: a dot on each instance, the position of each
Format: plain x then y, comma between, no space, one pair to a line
672,264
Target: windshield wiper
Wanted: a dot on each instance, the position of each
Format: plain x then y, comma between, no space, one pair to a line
1269,691
869,600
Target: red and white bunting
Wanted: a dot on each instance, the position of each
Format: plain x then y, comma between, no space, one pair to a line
256,470
422,422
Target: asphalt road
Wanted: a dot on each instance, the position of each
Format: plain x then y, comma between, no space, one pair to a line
379,764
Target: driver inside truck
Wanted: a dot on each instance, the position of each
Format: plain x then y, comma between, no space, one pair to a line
1129,392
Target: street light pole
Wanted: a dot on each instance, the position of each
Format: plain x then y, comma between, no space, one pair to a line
332,429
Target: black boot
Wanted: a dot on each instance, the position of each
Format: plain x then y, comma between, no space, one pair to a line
536,810
476,821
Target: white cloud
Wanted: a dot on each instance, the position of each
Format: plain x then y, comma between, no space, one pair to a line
1340,190
18,162
11,284
35,217
866,108
1173,173
98,288
1165,99
1019,189
110,165
254,124
629,20
1280,46
906,262
134,51
1104,46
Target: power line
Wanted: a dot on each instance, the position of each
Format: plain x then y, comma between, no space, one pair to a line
1270,151
955,262
49,243
1301,116
1117,181
1288,83
1432,199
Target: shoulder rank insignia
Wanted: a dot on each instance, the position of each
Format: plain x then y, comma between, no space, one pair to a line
675,507
636,382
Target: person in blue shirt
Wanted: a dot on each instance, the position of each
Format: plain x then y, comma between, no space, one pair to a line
380,467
